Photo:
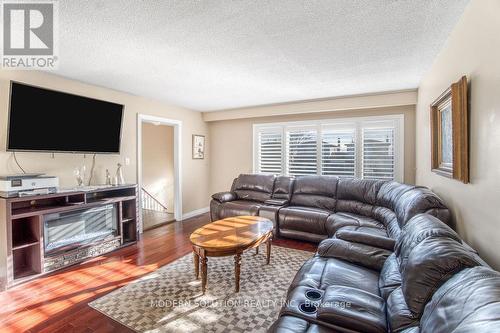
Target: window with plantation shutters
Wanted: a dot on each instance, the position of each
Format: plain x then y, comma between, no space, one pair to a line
369,148
270,148
338,152
378,153
301,151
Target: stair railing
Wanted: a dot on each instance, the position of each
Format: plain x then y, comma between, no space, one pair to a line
149,202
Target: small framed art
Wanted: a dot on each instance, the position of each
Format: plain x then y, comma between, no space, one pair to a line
198,147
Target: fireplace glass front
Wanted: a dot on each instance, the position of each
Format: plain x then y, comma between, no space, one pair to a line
70,230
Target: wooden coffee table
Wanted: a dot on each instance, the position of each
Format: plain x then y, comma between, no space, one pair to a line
229,237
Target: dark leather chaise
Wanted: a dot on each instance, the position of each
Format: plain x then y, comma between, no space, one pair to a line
433,282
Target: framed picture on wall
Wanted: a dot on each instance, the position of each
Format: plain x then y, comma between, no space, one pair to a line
450,134
198,147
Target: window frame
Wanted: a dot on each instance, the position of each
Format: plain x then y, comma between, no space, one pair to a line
359,123
300,128
256,148
343,126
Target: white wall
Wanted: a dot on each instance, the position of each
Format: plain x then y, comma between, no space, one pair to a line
473,49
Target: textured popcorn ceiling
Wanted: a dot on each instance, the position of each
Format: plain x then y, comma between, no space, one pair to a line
219,54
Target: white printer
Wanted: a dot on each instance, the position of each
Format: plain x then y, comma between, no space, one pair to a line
27,184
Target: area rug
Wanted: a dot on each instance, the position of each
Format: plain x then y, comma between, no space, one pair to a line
170,299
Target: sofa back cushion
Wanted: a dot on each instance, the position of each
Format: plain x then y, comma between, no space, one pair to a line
283,186
420,200
418,229
254,187
361,190
430,264
357,196
390,192
388,218
468,302
315,191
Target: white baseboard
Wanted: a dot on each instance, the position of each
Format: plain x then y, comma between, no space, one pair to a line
194,213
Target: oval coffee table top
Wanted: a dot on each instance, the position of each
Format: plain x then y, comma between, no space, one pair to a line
238,232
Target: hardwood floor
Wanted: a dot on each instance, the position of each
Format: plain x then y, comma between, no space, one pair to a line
153,219
58,303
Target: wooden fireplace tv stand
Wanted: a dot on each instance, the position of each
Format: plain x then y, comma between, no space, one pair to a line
84,223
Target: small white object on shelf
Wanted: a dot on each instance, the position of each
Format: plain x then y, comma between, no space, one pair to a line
119,180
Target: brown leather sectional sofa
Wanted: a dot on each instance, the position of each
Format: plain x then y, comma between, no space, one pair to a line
314,208
387,260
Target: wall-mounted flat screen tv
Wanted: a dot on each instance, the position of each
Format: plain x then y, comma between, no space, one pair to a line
52,121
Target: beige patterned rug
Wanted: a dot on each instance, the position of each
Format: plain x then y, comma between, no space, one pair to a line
170,299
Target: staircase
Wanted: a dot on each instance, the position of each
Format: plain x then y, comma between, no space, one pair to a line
154,213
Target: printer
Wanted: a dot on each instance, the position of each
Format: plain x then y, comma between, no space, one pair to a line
27,184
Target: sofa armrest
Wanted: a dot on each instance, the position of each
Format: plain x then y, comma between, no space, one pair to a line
271,212
276,202
224,196
360,254
367,239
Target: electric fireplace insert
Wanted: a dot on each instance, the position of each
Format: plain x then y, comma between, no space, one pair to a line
69,230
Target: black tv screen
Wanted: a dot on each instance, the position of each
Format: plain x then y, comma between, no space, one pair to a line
47,120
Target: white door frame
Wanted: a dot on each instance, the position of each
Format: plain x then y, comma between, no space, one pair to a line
177,124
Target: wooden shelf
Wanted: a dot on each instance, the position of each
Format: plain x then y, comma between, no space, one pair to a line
129,210
76,203
110,200
27,261
19,213
129,232
25,243
25,232
24,218
23,272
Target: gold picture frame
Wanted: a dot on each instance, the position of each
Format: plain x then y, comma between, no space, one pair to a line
450,132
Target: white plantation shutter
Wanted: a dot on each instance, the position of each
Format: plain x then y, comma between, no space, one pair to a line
378,153
369,147
338,152
270,151
301,151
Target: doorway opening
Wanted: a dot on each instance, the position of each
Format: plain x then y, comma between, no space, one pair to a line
158,170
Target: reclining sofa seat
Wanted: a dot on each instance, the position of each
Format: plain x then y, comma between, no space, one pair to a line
312,202
455,307
372,213
248,194
433,282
